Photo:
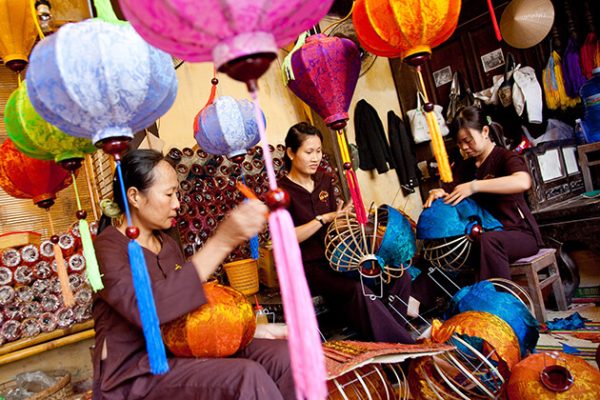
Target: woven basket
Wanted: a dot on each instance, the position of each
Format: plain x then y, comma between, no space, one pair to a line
243,275
61,390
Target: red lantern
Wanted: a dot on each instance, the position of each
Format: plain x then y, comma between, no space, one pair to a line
28,178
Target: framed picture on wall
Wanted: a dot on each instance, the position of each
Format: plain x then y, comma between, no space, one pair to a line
492,60
442,76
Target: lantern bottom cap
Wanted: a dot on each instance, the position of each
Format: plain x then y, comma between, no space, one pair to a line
243,45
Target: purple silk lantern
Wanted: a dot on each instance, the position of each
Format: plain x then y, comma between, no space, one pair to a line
227,126
326,71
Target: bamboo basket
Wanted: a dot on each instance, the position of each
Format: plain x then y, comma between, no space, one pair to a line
243,275
61,390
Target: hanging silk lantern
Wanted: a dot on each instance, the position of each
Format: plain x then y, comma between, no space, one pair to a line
98,79
17,33
325,71
242,38
409,30
546,376
37,138
227,126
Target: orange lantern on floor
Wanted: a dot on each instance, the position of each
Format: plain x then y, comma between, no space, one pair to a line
409,29
17,33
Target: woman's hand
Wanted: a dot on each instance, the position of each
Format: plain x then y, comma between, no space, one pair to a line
271,331
341,209
434,194
460,193
242,223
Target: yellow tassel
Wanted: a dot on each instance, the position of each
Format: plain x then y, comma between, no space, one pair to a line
565,100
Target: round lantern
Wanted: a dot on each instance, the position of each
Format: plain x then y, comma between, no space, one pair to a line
99,80
219,328
37,138
17,33
404,29
240,36
325,73
546,376
29,178
227,126
448,231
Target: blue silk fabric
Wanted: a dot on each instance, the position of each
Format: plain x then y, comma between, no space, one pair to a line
483,296
441,221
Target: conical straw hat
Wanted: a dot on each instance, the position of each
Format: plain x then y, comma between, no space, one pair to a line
525,23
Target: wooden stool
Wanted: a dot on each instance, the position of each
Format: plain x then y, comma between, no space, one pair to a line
530,267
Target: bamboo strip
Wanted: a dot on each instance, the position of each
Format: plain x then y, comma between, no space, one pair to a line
44,337
34,350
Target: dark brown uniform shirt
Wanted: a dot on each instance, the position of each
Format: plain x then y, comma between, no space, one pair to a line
177,290
305,206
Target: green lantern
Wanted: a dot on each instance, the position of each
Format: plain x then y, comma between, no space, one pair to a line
37,138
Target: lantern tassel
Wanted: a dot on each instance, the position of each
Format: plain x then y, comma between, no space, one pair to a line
590,46
155,347
437,142
572,74
92,269
304,343
352,180
254,239
106,12
287,72
494,20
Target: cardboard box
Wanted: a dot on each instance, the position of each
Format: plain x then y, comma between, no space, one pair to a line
18,239
267,274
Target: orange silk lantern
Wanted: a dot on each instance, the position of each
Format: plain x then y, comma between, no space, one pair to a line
17,33
27,178
219,328
409,29
579,381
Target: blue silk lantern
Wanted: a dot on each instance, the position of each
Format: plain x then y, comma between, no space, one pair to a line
227,126
99,79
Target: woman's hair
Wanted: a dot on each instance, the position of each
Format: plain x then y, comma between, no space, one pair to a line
137,167
474,118
296,136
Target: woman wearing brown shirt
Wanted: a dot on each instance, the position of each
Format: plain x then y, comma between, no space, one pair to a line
121,368
313,207
496,178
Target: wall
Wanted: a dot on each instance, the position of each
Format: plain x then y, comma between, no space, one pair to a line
283,109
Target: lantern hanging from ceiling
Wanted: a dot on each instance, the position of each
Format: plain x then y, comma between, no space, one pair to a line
325,71
36,137
219,328
98,79
17,33
554,375
409,30
227,126
242,38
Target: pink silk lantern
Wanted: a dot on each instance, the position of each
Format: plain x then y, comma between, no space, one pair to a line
242,38
325,74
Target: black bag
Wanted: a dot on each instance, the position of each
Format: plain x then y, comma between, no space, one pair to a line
457,99
505,89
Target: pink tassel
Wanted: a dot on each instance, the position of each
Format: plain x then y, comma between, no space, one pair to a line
304,343
494,20
359,207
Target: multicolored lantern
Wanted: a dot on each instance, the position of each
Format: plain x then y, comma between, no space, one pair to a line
227,126
325,71
99,79
409,30
17,33
219,328
242,38
546,376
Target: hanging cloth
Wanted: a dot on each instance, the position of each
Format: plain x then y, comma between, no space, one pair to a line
404,158
373,148
554,87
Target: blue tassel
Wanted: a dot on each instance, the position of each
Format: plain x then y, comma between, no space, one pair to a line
155,347
254,247
145,300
